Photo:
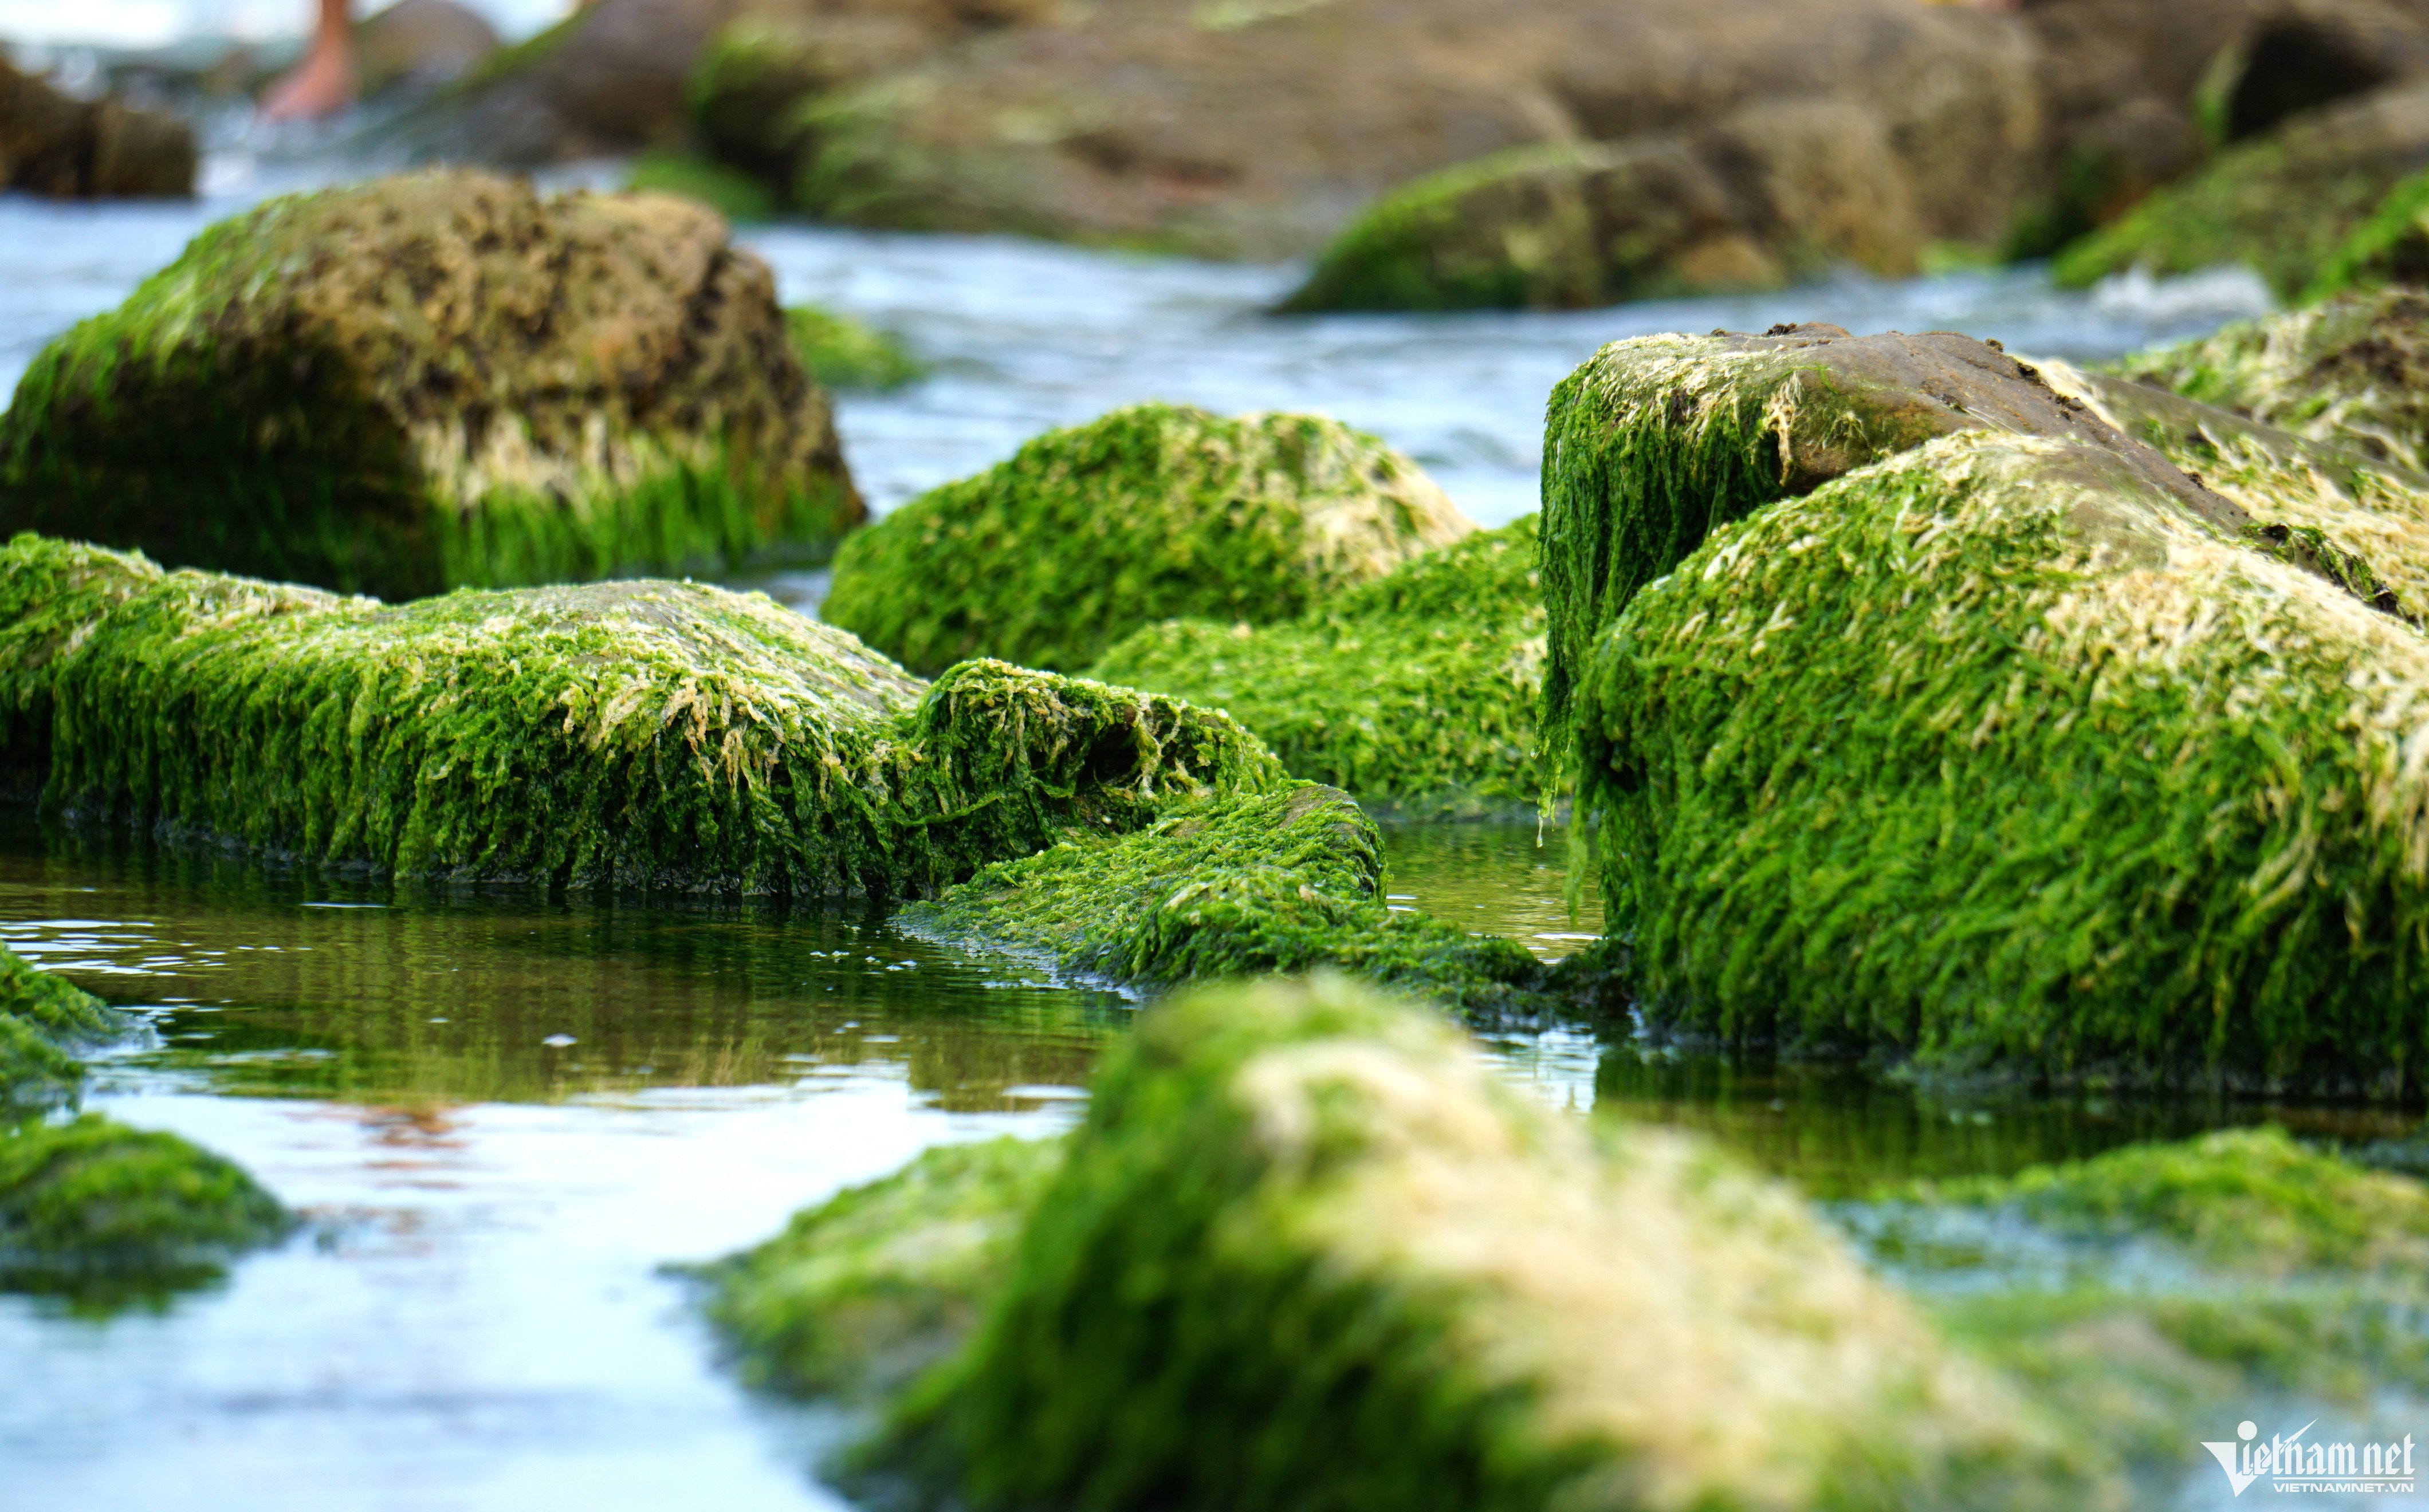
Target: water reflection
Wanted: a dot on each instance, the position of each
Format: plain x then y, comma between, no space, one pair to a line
1499,877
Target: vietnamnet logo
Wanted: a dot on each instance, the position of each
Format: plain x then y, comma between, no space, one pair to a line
2292,1466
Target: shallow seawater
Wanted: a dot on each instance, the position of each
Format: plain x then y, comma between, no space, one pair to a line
504,1115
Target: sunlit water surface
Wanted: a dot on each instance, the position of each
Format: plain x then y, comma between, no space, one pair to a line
503,1115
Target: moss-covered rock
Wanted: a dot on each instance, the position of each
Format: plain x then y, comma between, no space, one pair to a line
644,734
2391,247
93,1206
859,1294
1998,753
1148,513
436,380
841,352
1656,441
2352,370
728,190
1771,192
1417,692
43,1020
1281,881
1307,1251
2283,204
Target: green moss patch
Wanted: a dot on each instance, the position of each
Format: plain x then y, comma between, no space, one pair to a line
436,380
859,1295
2352,370
728,190
1999,755
1417,692
2283,204
93,1206
43,1020
1281,881
648,734
1309,1251
841,352
2244,1200
2391,247
1150,513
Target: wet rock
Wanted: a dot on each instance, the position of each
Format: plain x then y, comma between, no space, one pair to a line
433,380
1246,128
1150,512
1350,1265
2350,371
55,145
862,1293
606,80
1773,193
413,46
1286,880
638,735
1417,692
2282,203
2008,747
98,1210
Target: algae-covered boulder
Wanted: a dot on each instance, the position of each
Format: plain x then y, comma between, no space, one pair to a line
1417,692
436,380
2352,370
1772,192
43,1020
2006,749
859,1294
1281,881
2391,247
1148,512
1309,1251
95,1207
643,734
2283,203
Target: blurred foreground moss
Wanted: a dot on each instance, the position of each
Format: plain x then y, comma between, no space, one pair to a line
1307,1251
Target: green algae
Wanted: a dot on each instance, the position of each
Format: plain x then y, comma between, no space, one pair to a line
43,1020
1415,693
841,352
2283,204
2391,247
731,192
1999,755
95,1208
2250,1201
436,380
641,735
2352,370
1281,881
859,1294
1152,512
1307,1251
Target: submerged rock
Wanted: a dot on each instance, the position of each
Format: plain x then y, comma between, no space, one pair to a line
1309,1250
2013,749
43,1020
436,380
1282,881
1150,512
95,1208
1417,692
643,734
2350,371
66,148
2281,204
1772,192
